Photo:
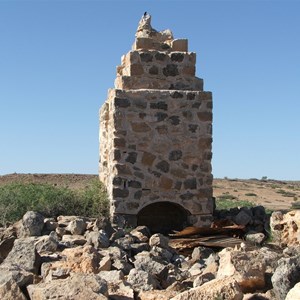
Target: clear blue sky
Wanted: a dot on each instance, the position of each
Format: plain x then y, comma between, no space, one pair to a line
59,58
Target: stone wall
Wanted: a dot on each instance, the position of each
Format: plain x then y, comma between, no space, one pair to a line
156,130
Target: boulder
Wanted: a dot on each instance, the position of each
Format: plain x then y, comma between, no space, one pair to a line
243,218
98,239
47,243
294,293
201,253
122,265
286,275
245,267
75,260
49,225
105,263
141,233
33,223
285,228
156,295
162,253
139,247
224,288
73,239
141,280
203,278
20,276
5,247
77,287
111,276
159,240
24,255
10,290
151,265
255,238
76,226
120,290
124,242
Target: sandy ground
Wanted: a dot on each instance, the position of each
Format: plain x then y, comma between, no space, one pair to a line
272,194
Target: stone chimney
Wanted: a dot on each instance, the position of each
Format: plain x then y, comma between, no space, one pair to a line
156,136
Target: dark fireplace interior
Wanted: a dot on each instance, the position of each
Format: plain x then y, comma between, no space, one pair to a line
163,217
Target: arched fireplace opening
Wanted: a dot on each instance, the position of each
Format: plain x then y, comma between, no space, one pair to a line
163,217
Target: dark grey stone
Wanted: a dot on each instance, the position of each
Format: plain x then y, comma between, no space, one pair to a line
190,183
134,184
132,156
146,57
175,120
187,196
175,155
178,185
161,116
177,57
190,96
196,105
160,56
120,102
193,127
139,103
118,181
138,195
163,166
117,154
153,70
159,105
176,95
120,193
170,70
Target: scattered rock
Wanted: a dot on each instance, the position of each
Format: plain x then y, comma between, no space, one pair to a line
245,267
10,290
24,255
112,276
141,280
76,226
203,278
77,287
255,238
33,223
225,288
159,240
294,293
286,276
286,228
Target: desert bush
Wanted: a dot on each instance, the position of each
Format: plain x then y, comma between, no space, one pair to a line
51,201
296,205
223,203
250,194
286,193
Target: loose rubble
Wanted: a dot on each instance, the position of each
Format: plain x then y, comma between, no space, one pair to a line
73,257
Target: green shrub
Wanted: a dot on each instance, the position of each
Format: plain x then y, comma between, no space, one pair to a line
296,205
222,203
286,193
250,194
51,201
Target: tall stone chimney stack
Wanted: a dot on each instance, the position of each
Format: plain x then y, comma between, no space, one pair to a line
156,135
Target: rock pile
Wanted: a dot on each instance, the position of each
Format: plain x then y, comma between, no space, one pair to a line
255,220
74,257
